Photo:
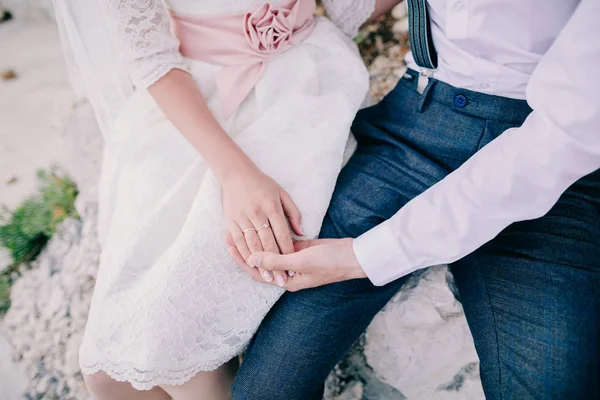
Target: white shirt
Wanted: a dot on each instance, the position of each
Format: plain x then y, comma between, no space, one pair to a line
546,51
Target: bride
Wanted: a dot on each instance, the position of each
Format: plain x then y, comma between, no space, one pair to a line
236,120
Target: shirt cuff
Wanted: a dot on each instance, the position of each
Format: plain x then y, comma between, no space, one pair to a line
380,255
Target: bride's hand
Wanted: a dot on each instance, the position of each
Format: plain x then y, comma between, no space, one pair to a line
257,211
250,198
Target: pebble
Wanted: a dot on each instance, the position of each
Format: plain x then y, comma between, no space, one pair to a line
8,75
400,26
400,11
5,16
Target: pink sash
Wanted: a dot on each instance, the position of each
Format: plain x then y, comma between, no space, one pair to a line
242,43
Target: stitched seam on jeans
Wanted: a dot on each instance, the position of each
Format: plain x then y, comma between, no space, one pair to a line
487,293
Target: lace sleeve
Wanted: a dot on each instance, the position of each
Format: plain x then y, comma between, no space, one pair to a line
147,44
349,15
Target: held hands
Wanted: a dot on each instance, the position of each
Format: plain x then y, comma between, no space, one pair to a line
257,211
315,263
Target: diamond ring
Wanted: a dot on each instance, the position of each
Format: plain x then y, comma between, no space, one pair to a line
265,226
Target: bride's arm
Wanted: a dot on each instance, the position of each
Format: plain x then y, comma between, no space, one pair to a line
182,103
250,198
151,54
351,15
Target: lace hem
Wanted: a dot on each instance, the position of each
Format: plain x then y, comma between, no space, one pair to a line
160,71
349,16
146,380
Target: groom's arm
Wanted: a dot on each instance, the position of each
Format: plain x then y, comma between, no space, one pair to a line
519,176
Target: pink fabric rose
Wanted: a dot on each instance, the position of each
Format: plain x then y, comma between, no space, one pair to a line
269,29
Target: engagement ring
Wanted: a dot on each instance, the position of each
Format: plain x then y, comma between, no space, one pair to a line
266,225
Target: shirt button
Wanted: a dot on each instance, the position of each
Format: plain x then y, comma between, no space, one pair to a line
460,101
458,6
484,85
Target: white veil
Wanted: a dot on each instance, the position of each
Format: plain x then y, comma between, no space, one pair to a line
92,57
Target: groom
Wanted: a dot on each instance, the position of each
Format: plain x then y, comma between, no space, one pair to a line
488,163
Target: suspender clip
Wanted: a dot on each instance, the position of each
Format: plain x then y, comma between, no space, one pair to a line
423,80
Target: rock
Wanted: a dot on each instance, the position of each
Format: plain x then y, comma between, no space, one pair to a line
5,16
400,26
8,75
400,11
423,328
399,72
353,392
54,304
13,379
380,64
44,332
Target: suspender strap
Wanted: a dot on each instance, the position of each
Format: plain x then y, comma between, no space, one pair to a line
421,43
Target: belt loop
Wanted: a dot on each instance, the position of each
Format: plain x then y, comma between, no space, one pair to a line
426,94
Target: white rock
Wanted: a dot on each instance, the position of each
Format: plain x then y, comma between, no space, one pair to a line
399,72
71,365
421,341
354,391
400,11
400,26
54,304
380,64
13,379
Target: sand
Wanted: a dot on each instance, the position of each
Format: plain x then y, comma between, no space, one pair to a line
31,105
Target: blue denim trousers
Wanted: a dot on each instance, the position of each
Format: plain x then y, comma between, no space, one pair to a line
531,295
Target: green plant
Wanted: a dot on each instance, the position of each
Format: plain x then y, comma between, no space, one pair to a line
4,293
25,232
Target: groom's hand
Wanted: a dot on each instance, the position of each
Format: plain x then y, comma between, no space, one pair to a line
315,263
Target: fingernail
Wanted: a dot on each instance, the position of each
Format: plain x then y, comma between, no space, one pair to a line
280,280
291,273
268,276
254,260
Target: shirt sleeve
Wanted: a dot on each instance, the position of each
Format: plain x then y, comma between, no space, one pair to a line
349,15
144,36
518,176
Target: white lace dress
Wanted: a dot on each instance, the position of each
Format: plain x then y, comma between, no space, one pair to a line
169,301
